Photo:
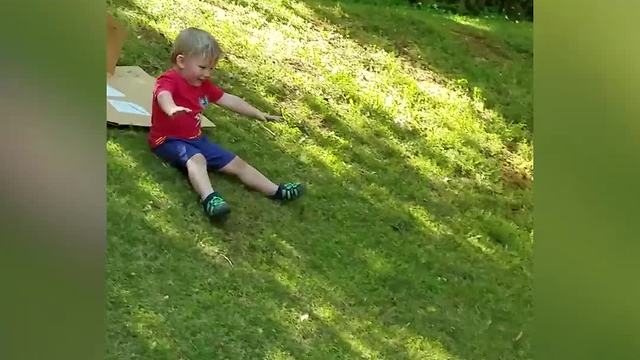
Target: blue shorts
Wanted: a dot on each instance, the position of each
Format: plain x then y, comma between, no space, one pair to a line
177,151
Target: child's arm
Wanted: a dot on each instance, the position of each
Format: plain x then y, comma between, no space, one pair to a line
241,107
165,100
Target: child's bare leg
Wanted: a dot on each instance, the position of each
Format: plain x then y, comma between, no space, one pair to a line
213,204
198,175
250,176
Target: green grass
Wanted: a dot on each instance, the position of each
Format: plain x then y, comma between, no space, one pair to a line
412,131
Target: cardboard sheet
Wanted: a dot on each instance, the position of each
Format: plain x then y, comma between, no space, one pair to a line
129,92
115,39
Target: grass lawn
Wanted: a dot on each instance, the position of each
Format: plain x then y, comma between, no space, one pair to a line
413,133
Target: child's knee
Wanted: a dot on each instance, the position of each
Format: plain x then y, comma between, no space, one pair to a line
197,160
236,166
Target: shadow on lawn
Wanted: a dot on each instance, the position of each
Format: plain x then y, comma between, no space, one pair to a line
427,279
219,311
431,284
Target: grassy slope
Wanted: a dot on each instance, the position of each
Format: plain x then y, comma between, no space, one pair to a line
412,131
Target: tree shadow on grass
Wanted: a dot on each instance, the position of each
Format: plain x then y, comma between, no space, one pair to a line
386,296
172,296
427,283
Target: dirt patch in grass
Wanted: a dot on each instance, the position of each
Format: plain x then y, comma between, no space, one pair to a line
482,46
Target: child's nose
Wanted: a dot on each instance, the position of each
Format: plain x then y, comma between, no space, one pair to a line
207,73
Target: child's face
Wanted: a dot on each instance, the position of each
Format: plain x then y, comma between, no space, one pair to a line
195,69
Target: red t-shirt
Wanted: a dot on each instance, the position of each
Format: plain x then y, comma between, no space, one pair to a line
183,125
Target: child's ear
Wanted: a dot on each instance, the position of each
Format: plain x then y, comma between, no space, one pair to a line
180,61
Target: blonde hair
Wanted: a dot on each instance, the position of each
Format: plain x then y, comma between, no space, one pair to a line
196,42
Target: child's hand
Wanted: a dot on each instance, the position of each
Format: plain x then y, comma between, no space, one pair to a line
273,118
267,117
178,110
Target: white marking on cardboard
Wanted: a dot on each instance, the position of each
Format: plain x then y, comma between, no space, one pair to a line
128,107
112,92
